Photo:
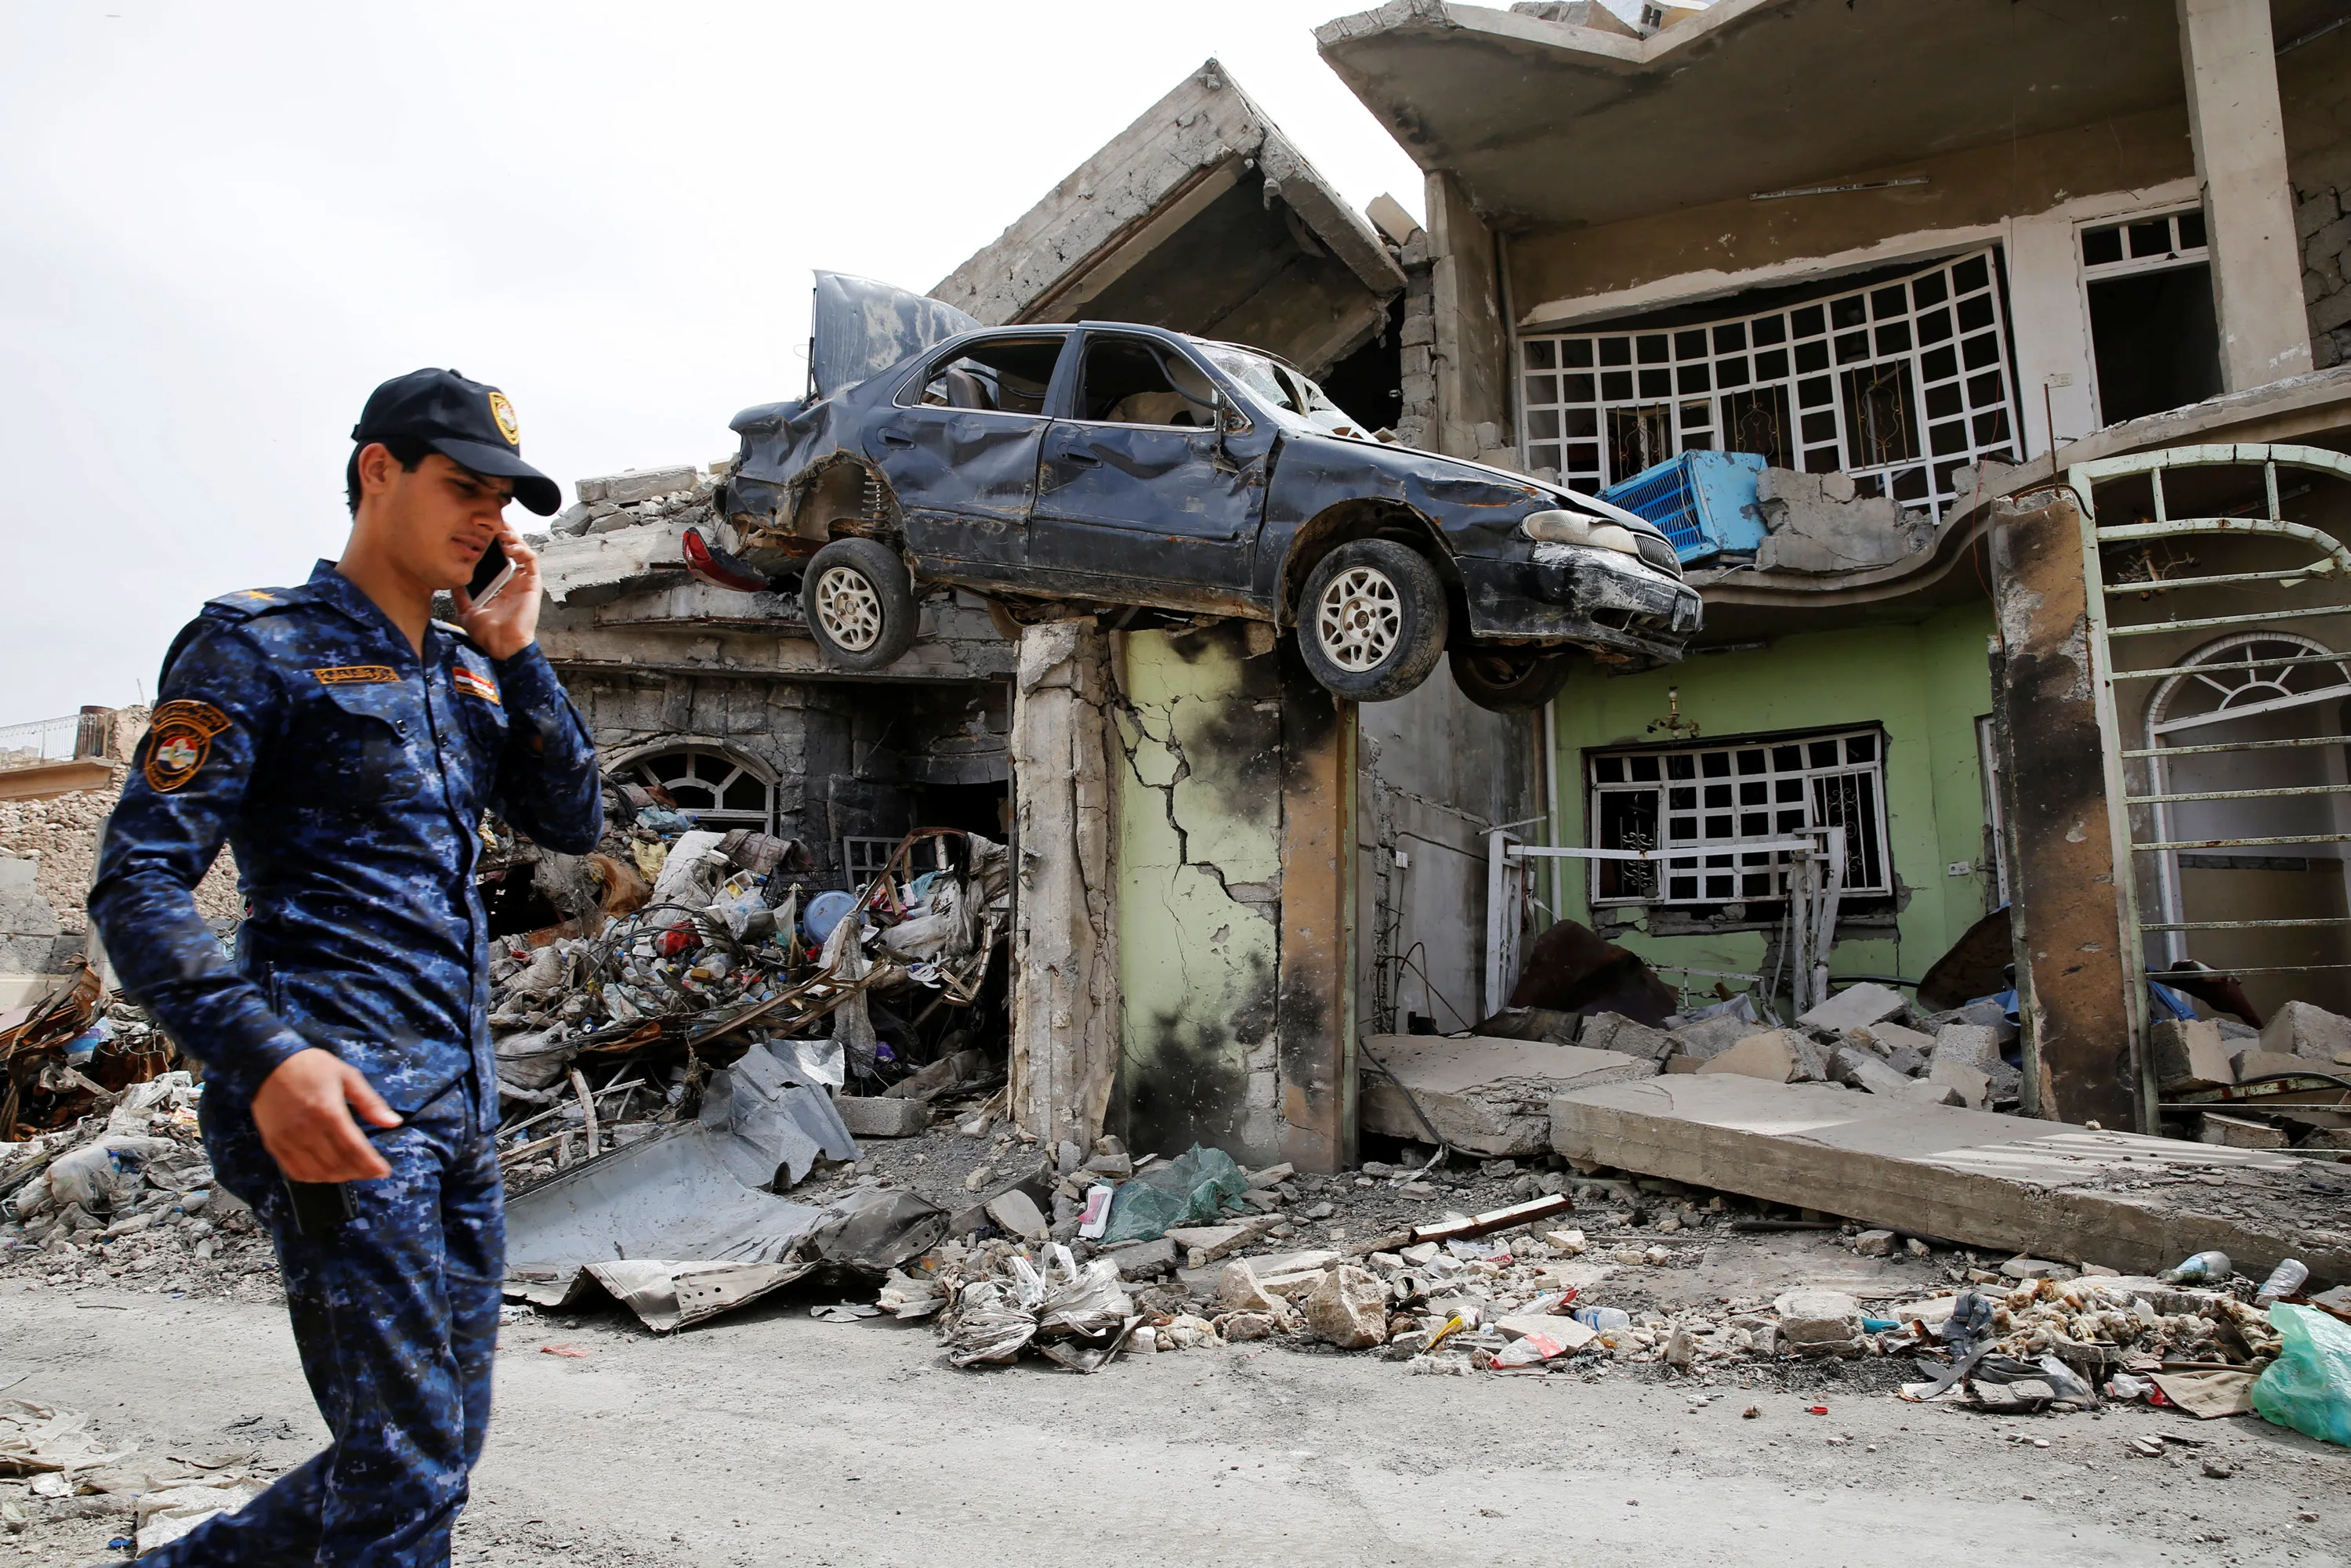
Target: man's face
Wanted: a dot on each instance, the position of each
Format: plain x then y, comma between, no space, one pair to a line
437,520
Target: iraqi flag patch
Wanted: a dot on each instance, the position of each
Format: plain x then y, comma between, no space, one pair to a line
474,686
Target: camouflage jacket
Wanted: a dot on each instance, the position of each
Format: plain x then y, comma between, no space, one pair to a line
350,778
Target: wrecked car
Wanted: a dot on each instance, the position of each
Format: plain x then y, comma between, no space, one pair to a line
1124,465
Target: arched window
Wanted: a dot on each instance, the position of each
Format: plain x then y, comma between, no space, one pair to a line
710,784
2252,724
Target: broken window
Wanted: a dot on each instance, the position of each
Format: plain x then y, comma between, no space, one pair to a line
1903,380
1712,799
1136,380
2152,328
1003,375
716,789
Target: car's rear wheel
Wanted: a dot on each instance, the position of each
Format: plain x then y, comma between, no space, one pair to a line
1372,624
1510,680
859,604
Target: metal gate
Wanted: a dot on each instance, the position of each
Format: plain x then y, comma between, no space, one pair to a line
2276,659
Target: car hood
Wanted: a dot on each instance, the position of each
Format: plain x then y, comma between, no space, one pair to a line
1440,473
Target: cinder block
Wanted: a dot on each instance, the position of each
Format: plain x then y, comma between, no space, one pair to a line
874,1116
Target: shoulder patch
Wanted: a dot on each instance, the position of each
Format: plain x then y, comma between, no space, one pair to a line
247,602
178,737
357,675
475,685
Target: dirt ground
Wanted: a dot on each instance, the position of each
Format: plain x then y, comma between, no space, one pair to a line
767,1437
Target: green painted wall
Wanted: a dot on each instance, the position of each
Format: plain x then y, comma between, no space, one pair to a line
1199,879
1926,684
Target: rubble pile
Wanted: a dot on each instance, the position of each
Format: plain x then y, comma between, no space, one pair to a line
61,833
124,1197
679,948
637,499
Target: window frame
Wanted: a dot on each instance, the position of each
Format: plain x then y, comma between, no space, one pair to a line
1685,367
909,394
1737,868
1237,417
637,768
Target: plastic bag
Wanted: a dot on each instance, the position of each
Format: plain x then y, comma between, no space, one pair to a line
2308,1387
1190,1189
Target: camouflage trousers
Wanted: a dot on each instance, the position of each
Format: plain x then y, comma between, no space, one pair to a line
395,1312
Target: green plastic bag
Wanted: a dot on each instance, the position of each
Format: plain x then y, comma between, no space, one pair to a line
2308,1387
1190,1189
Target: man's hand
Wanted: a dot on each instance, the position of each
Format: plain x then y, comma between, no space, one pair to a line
508,623
303,1115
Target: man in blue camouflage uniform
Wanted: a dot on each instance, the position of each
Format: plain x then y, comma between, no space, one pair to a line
347,745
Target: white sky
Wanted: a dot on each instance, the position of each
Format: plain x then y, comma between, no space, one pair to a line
224,222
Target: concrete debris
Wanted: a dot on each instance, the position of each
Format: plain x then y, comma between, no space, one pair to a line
1348,1308
2298,1029
1855,1007
1482,1096
1817,523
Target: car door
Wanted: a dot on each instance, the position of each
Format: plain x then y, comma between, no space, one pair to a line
959,443
1134,489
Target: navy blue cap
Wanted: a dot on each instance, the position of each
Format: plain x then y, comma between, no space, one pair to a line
471,425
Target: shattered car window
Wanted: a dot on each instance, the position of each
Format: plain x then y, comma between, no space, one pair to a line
1006,375
1133,380
1284,390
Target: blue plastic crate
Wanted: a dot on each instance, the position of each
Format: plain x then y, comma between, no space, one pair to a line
1704,502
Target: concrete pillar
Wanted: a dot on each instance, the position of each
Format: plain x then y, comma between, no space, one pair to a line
1473,342
2230,61
1315,1010
1065,995
2066,912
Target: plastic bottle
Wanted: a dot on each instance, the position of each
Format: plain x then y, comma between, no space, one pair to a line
1602,1318
2284,1280
2204,1268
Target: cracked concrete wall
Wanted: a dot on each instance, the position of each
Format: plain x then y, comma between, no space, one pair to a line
1201,817
1065,940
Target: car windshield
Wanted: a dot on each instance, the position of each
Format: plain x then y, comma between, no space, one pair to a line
1284,390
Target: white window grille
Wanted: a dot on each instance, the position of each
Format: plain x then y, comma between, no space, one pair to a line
2143,245
1712,796
716,789
862,859
1900,384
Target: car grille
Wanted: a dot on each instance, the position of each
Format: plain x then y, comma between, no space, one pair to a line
1659,552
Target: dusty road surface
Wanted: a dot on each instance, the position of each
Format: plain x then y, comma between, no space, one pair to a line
770,1438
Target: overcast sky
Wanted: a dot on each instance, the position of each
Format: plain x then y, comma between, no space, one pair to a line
224,222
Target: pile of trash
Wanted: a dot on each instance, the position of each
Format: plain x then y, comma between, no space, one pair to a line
167,1497
678,948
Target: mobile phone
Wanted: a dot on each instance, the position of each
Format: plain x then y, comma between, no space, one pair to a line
491,573
318,1205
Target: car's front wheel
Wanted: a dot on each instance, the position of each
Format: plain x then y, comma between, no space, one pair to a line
859,604
1510,680
1372,624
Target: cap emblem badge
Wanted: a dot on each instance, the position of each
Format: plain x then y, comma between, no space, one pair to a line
502,412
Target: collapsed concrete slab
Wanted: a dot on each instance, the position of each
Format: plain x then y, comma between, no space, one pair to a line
2050,1189
1486,1096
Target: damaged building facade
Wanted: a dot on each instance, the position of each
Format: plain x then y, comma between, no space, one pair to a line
2003,235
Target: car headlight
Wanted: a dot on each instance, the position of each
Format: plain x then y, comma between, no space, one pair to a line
1577,528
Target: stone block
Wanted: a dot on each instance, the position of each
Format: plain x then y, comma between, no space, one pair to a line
1614,1031
1875,1243
1349,1309
2249,1065
1416,330
1864,1070
1970,1045
1145,1259
1712,1037
1974,1087
872,1117
1419,389
1905,1062
2239,1133
1017,1214
2190,1053
2299,1028
1893,1038
1213,1241
1237,1290
1769,1056
1931,1093
2313,213
627,489
1240,1328
1819,1322
1855,1007
1272,1175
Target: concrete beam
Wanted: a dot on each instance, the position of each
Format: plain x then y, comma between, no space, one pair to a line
1484,1096
1314,1009
2067,922
2239,134
1065,993
1471,358
2059,1192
